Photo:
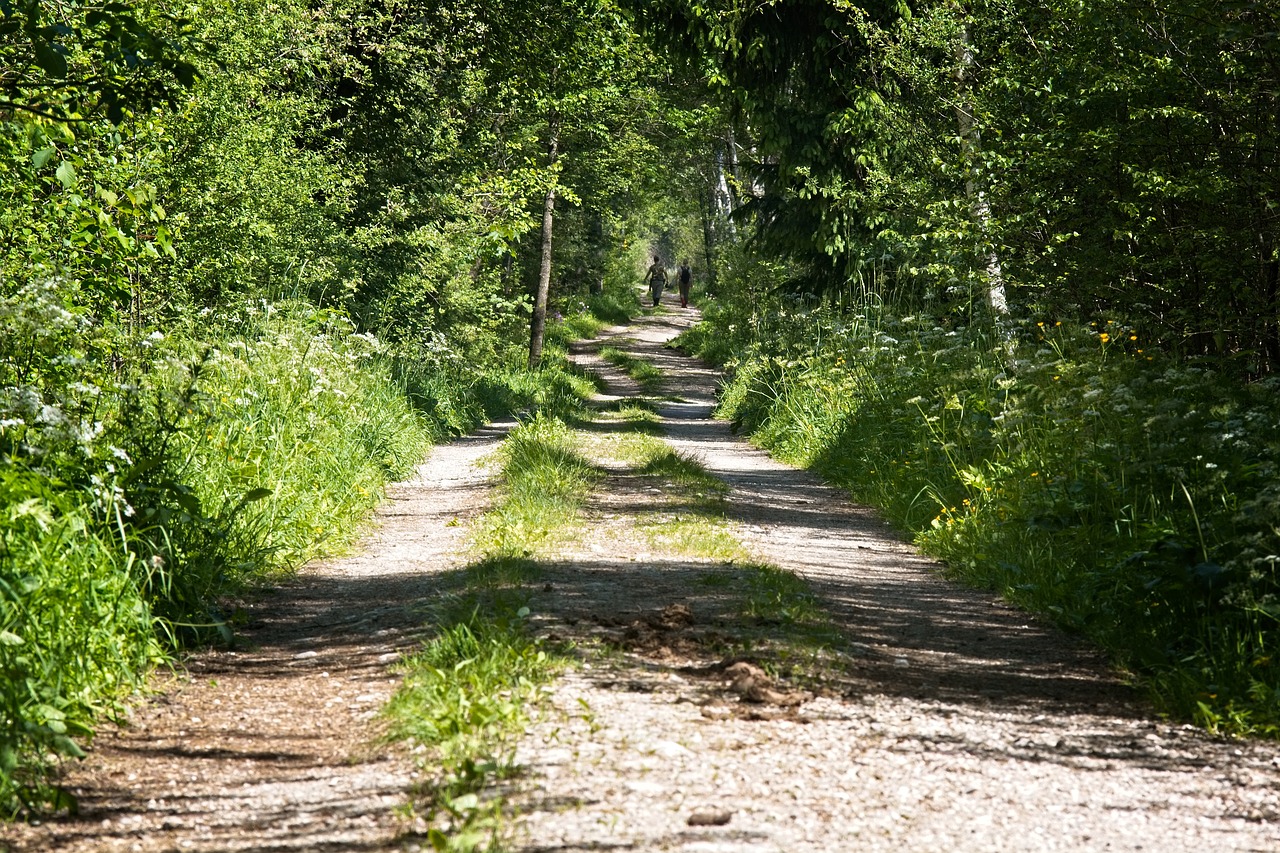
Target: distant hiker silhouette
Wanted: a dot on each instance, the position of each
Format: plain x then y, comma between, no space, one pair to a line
684,279
657,279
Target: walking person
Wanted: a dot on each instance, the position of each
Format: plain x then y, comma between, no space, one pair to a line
684,280
657,279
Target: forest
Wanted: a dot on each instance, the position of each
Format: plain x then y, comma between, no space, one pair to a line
1006,270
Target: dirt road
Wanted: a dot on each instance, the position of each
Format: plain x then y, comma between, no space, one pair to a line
947,721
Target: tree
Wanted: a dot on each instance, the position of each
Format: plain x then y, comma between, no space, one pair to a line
66,59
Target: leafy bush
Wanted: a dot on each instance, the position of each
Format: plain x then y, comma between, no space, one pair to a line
1128,496
75,632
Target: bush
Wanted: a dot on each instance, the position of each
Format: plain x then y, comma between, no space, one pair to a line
75,632
1124,494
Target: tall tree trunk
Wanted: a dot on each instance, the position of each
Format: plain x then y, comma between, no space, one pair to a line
731,157
538,326
971,149
706,207
1271,314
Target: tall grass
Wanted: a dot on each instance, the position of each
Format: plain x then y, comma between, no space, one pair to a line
1130,497
75,634
544,480
308,412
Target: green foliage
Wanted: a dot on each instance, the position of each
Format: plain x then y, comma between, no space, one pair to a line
136,505
250,173
177,369
1075,470
544,481
1099,159
464,699
65,58
75,633
297,407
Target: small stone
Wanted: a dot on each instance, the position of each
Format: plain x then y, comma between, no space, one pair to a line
670,749
709,817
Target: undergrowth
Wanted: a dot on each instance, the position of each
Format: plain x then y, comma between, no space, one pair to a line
1128,496
149,480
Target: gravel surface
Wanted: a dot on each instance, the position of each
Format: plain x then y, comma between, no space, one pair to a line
955,723
273,747
948,721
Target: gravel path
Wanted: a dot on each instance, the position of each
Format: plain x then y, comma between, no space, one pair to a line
947,722
272,747
958,723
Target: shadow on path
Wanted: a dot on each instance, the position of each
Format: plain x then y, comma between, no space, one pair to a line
919,635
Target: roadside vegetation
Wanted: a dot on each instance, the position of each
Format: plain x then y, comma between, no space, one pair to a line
1083,473
1012,275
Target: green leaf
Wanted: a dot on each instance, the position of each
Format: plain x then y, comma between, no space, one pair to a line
50,59
66,175
8,638
66,746
41,156
465,803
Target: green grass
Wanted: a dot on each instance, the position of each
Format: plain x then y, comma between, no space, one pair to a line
284,411
682,472
646,375
75,636
544,480
584,317
698,535
464,702
467,696
1127,496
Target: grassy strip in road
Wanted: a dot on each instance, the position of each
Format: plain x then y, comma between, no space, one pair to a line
783,618
643,372
467,695
544,480
466,699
